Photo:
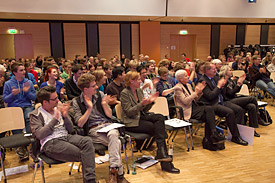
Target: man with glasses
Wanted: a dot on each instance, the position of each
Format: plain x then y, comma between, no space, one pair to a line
51,125
92,113
212,95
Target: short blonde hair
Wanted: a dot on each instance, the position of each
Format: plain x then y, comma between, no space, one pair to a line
99,74
162,70
131,75
133,63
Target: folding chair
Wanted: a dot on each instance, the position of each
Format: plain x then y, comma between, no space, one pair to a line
161,107
12,118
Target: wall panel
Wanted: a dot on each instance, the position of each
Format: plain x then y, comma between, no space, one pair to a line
253,34
39,31
135,39
74,40
227,36
109,41
271,34
6,46
202,33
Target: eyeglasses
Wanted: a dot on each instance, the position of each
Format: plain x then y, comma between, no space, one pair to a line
54,99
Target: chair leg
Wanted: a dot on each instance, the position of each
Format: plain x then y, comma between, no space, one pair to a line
34,173
192,143
149,142
188,149
42,170
79,166
70,172
143,144
3,167
175,135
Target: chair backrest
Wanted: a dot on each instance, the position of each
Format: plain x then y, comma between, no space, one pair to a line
118,109
272,76
11,118
160,106
244,90
238,73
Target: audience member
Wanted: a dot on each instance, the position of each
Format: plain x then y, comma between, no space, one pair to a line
71,88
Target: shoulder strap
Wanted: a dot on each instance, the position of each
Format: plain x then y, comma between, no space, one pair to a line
83,110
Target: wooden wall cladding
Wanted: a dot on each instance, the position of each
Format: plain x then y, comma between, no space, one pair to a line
227,36
202,33
271,34
39,31
135,39
109,40
253,34
6,46
74,40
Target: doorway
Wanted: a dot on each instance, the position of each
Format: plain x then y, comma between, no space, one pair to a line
182,44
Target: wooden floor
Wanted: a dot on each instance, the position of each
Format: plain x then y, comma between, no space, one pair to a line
234,164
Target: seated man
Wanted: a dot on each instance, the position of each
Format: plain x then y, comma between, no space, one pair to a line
188,100
260,76
212,95
92,110
51,124
19,92
72,90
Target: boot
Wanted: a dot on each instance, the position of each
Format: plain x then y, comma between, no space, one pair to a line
162,154
169,167
113,175
121,179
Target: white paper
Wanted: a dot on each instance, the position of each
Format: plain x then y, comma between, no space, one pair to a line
14,170
176,123
110,127
246,132
102,159
260,103
75,167
148,163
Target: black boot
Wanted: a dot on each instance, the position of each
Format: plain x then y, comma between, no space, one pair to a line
169,167
162,154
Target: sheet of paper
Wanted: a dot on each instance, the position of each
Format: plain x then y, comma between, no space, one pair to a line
148,163
176,123
246,132
102,159
110,127
260,103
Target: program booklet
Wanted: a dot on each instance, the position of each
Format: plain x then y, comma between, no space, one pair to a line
145,162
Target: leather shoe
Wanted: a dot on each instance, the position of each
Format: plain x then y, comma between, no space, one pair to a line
262,122
239,140
169,167
217,137
256,134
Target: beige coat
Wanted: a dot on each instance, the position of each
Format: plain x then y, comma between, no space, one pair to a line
184,99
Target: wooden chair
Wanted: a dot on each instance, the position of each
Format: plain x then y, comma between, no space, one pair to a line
161,107
12,118
238,73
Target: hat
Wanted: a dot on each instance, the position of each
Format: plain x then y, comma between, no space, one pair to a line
216,61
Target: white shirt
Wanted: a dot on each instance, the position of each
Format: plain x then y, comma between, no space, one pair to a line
59,128
149,90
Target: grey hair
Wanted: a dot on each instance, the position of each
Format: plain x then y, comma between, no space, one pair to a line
180,73
2,68
224,70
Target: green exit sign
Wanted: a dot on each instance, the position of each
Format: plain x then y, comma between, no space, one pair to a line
12,31
183,32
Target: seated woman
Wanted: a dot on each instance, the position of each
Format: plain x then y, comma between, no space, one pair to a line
50,79
187,99
137,118
100,79
248,103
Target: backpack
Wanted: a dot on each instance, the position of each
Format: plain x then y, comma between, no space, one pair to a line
263,116
207,144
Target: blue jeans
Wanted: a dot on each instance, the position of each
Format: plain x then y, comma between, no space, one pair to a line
269,87
27,111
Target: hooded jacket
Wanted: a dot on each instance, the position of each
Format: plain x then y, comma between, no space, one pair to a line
22,99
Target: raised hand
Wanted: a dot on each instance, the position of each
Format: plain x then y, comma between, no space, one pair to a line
15,91
153,97
155,81
64,108
88,101
199,87
221,82
26,87
241,79
106,99
113,100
